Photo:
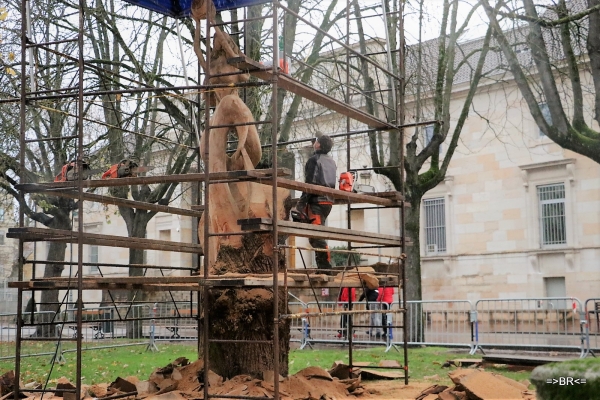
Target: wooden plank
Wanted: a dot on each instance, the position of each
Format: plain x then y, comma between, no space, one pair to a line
349,197
292,85
320,232
117,201
146,180
40,234
179,283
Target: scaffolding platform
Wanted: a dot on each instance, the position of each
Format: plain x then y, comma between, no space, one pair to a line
264,225
60,235
197,283
386,199
288,83
215,177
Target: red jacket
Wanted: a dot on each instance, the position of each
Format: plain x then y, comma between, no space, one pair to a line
386,295
343,297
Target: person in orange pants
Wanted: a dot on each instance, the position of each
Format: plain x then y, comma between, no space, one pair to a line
320,169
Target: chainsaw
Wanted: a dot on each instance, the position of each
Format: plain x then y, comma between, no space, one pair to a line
348,183
69,172
126,168
299,216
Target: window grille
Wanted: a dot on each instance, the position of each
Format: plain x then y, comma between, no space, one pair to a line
552,214
435,225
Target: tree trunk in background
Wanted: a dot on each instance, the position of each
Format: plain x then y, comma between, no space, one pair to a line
413,270
246,314
136,256
56,252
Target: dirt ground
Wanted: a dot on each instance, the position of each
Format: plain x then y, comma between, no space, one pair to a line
392,389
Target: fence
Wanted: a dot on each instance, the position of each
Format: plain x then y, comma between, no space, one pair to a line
592,327
102,327
560,323
548,323
535,323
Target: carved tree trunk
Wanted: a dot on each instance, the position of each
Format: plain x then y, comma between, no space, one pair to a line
246,314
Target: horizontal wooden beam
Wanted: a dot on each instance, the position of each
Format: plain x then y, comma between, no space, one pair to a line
60,235
319,232
191,283
229,176
388,199
117,201
292,85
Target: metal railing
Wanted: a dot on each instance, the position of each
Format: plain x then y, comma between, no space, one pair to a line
440,323
530,323
591,327
533,323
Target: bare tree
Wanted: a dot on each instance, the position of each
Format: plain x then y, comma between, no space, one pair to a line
117,128
564,41
430,75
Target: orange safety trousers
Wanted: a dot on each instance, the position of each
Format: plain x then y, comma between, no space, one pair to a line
317,213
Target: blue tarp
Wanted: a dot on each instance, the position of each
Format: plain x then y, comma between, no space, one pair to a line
181,8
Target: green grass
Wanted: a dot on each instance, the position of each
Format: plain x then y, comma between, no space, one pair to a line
102,365
422,362
105,365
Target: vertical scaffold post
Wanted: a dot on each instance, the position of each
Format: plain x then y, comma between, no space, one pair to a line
275,211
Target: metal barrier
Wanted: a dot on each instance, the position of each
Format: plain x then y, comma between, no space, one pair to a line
591,314
175,321
535,323
332,329
8,334
440,323
538,323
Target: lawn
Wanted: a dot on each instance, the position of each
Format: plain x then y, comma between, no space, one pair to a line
105,365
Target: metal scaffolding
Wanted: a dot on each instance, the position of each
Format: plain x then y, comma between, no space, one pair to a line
274,177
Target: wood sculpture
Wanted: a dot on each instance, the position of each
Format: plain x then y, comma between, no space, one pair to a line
223,48
237,314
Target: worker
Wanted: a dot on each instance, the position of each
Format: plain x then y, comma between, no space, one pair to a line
320,169
344,300
372,295
386,298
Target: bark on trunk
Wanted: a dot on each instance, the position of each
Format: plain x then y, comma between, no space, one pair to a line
56,252
246,314
413,271
136,256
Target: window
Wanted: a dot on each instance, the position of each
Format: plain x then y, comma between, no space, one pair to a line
2,233
94,259
2,212
546,113
164,257
552,214
435,225
429,135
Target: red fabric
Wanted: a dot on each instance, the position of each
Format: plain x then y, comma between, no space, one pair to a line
344,295
386,295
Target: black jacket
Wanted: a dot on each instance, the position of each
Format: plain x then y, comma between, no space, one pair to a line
320,169
370,294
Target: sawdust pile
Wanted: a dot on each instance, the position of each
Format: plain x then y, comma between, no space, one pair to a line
182,380
473,384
